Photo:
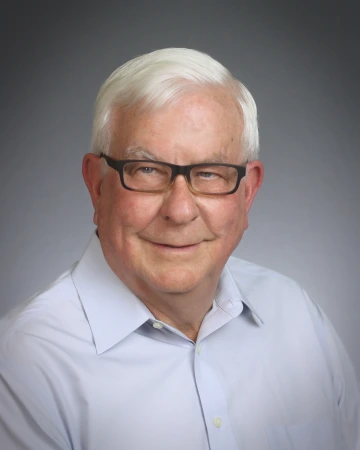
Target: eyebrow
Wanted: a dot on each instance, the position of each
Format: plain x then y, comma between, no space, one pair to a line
138,152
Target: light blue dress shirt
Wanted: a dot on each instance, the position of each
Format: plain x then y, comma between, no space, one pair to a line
84,365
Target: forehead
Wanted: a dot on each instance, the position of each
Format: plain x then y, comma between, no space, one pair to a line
192,127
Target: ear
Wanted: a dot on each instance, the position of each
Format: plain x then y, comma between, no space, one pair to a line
91,170
253,181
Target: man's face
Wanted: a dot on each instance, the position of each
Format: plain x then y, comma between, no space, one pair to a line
173,241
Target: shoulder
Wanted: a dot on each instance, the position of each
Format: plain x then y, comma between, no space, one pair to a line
266,289
33,338
39,342
44,317
249,273
288,311
281,302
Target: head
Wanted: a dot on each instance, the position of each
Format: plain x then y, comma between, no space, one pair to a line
156,79
182,107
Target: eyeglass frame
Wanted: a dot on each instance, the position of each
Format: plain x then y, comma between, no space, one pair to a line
176,169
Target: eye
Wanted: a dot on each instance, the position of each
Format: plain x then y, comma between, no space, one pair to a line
146,170
207,175
142,169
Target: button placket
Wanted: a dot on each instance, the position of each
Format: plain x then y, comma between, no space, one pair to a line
213,401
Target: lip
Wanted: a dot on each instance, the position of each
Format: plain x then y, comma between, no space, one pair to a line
176,248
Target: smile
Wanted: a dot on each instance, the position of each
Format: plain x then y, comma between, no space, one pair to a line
176,248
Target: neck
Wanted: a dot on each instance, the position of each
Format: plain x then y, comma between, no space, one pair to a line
184,311
181,311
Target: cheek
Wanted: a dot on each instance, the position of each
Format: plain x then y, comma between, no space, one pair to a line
132,211
225,217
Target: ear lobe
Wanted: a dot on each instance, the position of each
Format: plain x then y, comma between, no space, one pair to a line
253,181
91,170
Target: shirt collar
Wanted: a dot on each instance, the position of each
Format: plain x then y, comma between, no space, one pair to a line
230,297
114,312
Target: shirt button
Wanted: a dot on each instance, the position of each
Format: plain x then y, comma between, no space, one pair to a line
217,422
198,349
157,325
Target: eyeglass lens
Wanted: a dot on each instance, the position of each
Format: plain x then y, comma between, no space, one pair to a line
149,176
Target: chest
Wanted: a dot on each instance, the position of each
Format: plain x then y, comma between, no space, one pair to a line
220,394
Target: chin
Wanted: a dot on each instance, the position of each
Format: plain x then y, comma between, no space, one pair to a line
176,280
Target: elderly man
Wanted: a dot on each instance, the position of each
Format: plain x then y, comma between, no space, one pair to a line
157,338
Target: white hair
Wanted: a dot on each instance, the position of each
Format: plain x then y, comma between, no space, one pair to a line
157,78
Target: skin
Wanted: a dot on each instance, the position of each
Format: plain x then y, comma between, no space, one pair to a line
170,248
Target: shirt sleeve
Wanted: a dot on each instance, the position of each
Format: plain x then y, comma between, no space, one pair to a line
27,419
345,383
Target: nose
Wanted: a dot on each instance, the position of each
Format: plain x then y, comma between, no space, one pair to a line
179,205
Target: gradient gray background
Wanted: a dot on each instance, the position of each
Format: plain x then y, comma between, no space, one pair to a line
301,63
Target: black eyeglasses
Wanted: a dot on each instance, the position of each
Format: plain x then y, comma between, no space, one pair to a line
155,176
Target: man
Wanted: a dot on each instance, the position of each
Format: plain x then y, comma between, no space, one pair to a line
157,338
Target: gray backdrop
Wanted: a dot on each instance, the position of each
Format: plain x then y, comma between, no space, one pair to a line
300,61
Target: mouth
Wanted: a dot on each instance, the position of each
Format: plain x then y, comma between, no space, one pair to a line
178,248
